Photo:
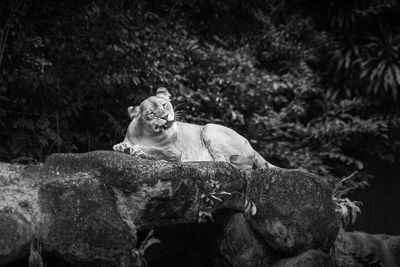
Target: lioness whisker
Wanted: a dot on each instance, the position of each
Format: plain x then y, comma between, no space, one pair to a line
178,105
180,111
177,118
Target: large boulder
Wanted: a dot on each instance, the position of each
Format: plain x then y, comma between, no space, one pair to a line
242,247
311,258
357,249
151,193
70,213
81,223
88,209
295,210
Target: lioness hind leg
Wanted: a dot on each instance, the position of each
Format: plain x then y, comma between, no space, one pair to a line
224,144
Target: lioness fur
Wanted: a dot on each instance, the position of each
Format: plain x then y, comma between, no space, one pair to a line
153,133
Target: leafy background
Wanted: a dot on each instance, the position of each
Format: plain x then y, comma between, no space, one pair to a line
312,84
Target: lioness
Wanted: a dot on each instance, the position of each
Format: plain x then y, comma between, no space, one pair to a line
153,133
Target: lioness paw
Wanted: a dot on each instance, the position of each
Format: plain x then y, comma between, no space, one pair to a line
136,151
121,147
173,154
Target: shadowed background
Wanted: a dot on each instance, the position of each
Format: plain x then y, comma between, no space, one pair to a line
312,84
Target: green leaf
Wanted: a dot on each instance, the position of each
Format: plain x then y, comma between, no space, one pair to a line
253,209
216,198
396,70
204,215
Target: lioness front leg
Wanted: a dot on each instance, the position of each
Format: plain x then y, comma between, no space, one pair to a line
122,147
154,153
157,153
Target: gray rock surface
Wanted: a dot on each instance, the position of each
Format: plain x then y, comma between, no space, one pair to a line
87,208
295,210
242,247
363,249
311,258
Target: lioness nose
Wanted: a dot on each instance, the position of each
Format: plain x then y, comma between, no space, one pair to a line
165,117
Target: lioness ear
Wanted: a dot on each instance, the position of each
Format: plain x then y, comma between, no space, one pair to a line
163,93
133,111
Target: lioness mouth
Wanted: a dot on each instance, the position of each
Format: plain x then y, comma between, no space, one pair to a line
165,126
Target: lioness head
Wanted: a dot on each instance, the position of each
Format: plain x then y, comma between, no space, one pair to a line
155,113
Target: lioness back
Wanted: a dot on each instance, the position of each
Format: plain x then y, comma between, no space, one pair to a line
190,143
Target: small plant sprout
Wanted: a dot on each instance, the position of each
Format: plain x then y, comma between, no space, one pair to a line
347,208
35,255
138,254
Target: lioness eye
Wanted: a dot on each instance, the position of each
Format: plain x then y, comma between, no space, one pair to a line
164,105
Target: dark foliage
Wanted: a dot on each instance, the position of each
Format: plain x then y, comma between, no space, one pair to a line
304,81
